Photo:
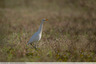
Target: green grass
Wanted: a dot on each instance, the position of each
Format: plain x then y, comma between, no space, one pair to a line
68,36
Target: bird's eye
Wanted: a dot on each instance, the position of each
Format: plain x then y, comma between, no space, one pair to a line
46,19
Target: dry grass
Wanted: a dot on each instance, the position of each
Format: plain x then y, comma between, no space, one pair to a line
69,34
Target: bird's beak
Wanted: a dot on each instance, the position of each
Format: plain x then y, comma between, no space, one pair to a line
46,20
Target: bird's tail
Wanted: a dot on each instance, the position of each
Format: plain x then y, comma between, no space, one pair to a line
28,42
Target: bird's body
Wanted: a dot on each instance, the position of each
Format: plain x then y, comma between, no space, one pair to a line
37,36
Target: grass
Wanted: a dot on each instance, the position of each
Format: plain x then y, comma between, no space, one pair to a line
68,36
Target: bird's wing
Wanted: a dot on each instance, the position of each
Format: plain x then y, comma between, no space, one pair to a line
32,38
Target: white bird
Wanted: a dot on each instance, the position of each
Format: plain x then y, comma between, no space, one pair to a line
37,36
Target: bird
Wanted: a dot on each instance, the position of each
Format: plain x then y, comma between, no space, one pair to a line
37,36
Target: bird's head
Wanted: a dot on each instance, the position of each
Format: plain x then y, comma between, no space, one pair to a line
44,19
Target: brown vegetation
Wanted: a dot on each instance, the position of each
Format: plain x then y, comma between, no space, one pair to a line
69,34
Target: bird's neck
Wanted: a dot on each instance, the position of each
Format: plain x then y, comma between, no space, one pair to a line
40,28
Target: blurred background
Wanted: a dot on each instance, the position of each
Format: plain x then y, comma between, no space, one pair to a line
69,34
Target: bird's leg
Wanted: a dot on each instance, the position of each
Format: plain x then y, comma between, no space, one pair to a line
31,43
34,45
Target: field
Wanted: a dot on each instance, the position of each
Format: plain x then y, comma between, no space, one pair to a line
69,35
